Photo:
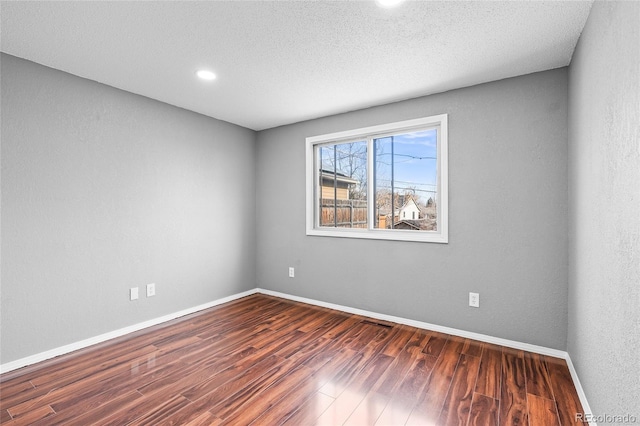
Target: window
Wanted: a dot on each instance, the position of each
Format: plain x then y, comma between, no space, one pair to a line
381,182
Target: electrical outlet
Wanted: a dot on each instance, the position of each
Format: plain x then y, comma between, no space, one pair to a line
474,300
151,289
133,293
292,272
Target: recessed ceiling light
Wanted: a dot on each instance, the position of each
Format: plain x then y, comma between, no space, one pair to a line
206,75
388,3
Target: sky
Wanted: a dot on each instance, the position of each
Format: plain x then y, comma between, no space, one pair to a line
414,162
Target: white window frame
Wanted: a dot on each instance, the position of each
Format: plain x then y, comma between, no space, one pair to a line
369,134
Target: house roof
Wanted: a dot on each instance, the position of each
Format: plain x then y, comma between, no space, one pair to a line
408,201
330,175
410,223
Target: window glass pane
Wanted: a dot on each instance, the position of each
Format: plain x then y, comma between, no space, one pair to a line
405,179
342,183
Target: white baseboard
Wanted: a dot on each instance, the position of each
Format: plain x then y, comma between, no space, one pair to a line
579,389
62,350
43,356
542,350
425,325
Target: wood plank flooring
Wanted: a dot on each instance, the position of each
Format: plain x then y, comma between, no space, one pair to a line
262,360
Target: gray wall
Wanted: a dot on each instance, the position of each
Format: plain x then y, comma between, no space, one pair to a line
604,208
508,217
103,190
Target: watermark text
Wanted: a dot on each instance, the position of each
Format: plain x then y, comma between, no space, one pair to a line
606,418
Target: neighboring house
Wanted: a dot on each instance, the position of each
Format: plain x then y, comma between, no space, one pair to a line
338,209
410,216
336,184
409,210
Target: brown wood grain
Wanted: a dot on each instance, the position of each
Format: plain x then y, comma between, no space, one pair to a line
408,391
310,411
538,382
484,411
513,399
564,393
490,374
4,416
398,344
201,419
37,414
457,405
375,401
435,344
263,360
340,410
428,408
542,411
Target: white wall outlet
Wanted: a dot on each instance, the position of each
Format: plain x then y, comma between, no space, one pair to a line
151,289
292,272
133,293
474,300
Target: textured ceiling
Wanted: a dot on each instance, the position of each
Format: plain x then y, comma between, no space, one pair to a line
280,62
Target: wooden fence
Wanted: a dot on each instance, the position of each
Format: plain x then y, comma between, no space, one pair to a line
343,213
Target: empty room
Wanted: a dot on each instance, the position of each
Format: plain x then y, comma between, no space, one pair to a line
375,212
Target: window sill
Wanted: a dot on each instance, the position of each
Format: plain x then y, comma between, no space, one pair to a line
382,234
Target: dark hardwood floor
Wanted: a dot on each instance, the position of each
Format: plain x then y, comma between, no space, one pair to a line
267,361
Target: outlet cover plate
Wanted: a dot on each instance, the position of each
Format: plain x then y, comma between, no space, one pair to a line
151,289
474,300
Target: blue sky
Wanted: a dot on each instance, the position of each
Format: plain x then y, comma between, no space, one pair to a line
414,162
